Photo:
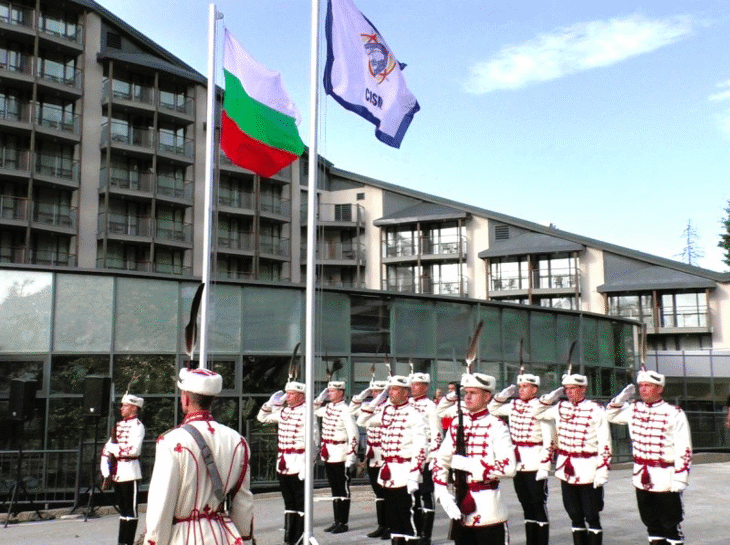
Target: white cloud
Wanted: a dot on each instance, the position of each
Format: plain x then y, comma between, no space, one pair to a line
575,48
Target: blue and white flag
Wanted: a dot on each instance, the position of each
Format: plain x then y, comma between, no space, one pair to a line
363,75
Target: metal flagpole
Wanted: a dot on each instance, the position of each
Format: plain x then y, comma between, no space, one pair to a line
311,268
213,16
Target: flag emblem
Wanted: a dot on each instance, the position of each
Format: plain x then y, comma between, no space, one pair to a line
381,61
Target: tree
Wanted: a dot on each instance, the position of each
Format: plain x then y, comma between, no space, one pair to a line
691,253
725,235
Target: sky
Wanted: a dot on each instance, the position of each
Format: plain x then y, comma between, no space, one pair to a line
610,120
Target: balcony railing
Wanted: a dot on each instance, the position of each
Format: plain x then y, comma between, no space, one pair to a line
556,279
185,106
59,217
65,122
327,212
428,286
176,145
689,316
121,224
56,166
634,314
13,208
338,251
18,63
171,186
46,257
64,75
274,246
239,199
133,93
275,205
173,231
122,133
131,180
445,245
17,15
240,240
12,158
20,113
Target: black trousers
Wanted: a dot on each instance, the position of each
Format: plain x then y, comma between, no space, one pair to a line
494,534
126,496
661,513
399,512
583,504
532,495
373,473
338,479
424,497
292,490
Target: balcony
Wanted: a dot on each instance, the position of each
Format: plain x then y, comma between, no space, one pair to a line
336,215
17,66
121,225
57,169
13,208
51,258
61,78
277,247
170,231
426,285
49,215
234,201
452,246
344,253
174,188
236,242
176,105
15,161
60,124
129,183
120,135
128,95
176,147
16,115
23,19
275,206
408,248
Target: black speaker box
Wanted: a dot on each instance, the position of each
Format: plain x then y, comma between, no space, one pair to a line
22,398
96,395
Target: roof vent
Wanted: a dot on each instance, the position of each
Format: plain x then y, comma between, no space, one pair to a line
501,232
113,40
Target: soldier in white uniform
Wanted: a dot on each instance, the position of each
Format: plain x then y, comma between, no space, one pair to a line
338,450
481,517
373,454
291,461
424,507
404,442
583,455
120,464
534,444
182,505
662,451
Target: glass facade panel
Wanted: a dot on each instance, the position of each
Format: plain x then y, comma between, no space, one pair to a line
491,338
515,326
413,328
370,325
25,307
274,320
83,317
68,373
225,315
590,342
25,370
335,331
454,325
606,345
151,374
542,337
146,316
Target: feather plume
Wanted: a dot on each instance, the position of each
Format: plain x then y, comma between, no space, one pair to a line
191,330
471,353
387,365
522,361
570,357
131,381
294,364
410,363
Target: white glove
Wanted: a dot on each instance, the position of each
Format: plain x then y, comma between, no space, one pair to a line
362,396
552,397
112,449
382,396
451,396
626,394
599,480
321,397
449,504
470,465
505,394
350,461
541,475
104,466
277,399
301,474
411,486
678,486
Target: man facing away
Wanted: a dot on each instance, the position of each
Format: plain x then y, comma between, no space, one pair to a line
480,517
291,461
184,506
583,455
662,452
533,440
338,450
120,463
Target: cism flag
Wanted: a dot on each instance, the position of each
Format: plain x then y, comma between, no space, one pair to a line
363,75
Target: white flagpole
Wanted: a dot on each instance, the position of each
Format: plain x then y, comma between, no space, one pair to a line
311,268
213,15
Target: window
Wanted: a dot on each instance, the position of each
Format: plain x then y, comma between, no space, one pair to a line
683,310
509,274
401,243
637,307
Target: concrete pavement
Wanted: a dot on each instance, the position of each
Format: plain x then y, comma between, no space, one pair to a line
707,517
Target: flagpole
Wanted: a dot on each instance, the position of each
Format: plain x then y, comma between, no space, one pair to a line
213,15
311,268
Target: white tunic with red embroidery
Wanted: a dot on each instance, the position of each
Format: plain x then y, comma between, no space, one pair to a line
403,440
339,432
290,433
120,459
487,440
428,409
373,449
181,505
661,442
583,440
534,439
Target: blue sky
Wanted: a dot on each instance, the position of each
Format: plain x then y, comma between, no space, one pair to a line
607,119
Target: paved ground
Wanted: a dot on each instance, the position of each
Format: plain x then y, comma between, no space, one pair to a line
707,519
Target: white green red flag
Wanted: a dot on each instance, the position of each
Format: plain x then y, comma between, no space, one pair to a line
259,120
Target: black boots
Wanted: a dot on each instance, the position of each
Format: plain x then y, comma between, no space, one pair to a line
382,528
580,536
595,537
293,527
127,531
426,530
342,515
537,533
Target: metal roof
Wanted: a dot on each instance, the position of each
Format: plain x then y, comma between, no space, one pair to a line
531,243
655,278
424,211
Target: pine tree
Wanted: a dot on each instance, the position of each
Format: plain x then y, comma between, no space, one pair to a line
725,235
691,253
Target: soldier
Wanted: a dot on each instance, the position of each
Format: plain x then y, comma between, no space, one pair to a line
338,450
583,455
373,455
662,451
120,464
404,443
480,518
533,442
185,505
291,461
424,507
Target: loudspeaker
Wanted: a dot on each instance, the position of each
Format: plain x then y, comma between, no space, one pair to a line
22,397
96,395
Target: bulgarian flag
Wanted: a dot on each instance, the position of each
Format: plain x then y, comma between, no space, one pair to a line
259,120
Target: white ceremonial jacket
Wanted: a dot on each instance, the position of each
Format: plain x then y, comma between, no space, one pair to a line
487,440
583,440
373,449
290,434
339,437
427,408
403,439
120,459
661,443
181,505
534,439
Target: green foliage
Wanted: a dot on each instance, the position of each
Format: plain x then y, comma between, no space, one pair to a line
725,235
